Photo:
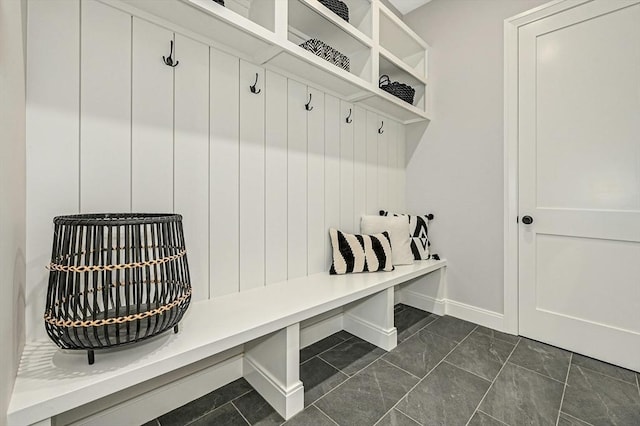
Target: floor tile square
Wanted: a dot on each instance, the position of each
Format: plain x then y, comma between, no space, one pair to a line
226,415
409,320
367,396
396,418
311,416
567,420
604,368
205,404
447,396
599,399
523,397
256,410
352,356
318,378
481,354
452,328
321,346
509,338
541,358
420,353
482,419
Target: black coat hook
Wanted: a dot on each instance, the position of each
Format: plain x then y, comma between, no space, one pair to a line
253,88
169,60
380,131
348,119
306,106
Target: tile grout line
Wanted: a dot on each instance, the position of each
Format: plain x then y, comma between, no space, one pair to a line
326,350
538,373
488,415
399,368
607,375
574,417
337,369
467,371
325,414
354,374
493,382
564,390
240,412
428,373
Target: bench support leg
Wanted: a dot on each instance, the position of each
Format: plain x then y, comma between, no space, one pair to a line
427,293
272,366
371,319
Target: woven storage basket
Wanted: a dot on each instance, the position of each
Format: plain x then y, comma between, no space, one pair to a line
400,90
338,7
220,2
326,52
115,279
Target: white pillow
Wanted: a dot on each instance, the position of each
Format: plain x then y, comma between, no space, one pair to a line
398,229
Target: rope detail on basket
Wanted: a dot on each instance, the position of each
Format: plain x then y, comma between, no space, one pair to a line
119,320
96,268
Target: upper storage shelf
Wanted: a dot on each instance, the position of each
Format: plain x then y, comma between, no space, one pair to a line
269,33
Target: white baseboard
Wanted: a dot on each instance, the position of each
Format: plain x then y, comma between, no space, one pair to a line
385,339
287,402
422,302
149,400
474,314
314,331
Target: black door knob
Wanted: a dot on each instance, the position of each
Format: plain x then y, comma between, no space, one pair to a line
527,220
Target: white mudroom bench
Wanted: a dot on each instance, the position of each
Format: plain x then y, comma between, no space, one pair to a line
260,329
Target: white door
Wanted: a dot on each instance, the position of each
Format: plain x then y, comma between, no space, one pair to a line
579,180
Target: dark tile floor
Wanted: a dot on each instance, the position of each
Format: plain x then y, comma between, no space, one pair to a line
444,371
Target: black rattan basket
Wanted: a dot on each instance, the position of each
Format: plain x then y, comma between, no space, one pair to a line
400,90
115,279
326,52
338,7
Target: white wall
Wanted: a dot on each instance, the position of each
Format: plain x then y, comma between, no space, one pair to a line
12,196
258,179
456,170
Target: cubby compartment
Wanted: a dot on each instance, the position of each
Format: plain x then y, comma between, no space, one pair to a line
402,43
402,75
262,12
309,19
360,16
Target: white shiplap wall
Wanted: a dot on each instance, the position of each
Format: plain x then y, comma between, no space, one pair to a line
257,177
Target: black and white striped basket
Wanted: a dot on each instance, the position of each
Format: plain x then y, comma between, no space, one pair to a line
326,52
397,89
338,7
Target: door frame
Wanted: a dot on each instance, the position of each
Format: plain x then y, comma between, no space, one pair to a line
511,98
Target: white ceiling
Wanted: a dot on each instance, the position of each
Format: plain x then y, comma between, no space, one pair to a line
406,6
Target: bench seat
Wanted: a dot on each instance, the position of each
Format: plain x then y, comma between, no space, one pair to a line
50,381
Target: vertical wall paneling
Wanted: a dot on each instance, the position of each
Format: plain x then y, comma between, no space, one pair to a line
53,148
151,119
105,133
346,168
192,157
276,178
359,165
383,164
402,167
297,179
224,197
372,163
392,155
252,243
331,169
316,231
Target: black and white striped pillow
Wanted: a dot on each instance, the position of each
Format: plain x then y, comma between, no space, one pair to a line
418,232
360,253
